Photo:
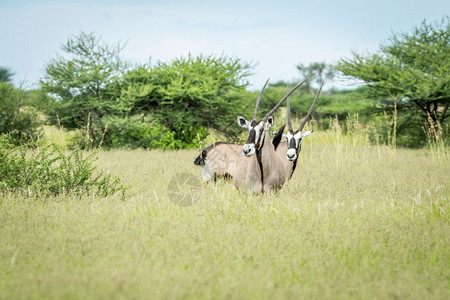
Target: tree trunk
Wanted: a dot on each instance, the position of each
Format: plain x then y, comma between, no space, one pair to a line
445,111
431,118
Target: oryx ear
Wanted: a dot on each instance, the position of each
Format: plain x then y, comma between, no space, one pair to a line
274,134
306,133
299,135
270,122
242,122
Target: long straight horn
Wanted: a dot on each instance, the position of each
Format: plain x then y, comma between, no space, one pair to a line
282,100
310,110
255,114
288,102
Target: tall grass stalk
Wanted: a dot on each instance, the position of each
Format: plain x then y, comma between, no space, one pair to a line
392,131
436,139
87,138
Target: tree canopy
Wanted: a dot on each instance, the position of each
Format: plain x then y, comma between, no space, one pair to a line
17,118
190,93
412,69
317,72
84,79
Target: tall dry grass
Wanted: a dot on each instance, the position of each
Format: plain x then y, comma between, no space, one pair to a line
355,221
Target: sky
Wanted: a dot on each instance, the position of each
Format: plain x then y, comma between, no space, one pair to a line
276,36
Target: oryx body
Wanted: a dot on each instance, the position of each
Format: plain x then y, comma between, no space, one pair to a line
273,166
224,160
219,160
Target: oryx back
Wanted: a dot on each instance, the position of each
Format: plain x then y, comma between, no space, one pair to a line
219,160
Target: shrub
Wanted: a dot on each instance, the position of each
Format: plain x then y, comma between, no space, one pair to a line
142,131
46,170
190,93
138,131
18,119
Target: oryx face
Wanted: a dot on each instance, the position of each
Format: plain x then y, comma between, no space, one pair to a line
255,133
294,140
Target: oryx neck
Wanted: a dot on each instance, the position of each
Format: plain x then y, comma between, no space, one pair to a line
263,149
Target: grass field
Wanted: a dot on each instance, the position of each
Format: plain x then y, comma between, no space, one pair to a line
356,221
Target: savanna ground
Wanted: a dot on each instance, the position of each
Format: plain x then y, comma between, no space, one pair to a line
355,221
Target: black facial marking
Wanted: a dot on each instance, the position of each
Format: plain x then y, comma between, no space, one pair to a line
259,158
292,143
296,160
251,136
200,160
254,123
261,140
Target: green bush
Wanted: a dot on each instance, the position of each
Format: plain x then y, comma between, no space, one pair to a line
48,171
19,120
189,93
84,80
142,131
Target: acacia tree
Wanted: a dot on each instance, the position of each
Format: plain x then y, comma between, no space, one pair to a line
317,72
412,69
84,81
17,118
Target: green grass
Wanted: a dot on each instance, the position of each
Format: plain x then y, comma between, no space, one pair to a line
59,136
356,221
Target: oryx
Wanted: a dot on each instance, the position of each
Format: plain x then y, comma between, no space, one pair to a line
220,160
289,149
262,159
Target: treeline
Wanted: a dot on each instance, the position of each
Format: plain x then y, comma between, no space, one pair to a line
90,88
